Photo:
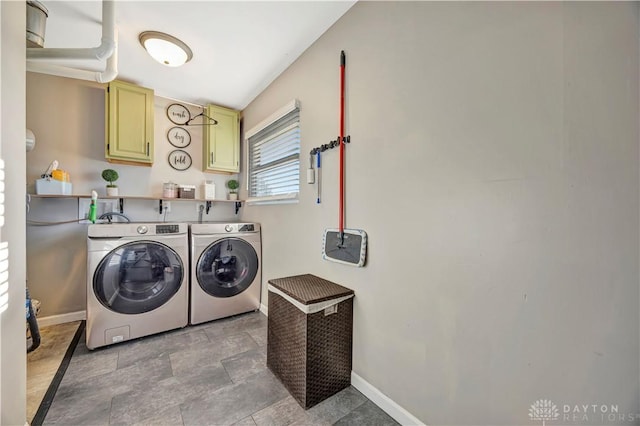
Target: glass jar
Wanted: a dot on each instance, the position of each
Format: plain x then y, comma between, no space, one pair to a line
169,190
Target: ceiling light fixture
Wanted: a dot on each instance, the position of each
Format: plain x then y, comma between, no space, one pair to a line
165,49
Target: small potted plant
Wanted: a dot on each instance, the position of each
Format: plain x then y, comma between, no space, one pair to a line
111,176
233,186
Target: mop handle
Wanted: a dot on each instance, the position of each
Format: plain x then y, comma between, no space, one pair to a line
318,199
341,142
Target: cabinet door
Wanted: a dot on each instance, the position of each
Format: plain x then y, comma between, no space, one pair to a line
129,123
221,145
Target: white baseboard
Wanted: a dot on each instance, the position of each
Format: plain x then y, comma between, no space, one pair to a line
264,309
400,415
62,318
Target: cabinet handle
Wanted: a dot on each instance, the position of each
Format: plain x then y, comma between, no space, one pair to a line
212,161
147,149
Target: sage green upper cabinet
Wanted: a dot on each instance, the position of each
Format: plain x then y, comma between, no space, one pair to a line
221,144
129,124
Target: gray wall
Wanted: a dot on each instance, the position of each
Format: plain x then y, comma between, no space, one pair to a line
12,321
494,165
67,117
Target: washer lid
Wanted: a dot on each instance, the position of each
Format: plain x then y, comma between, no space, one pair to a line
227,267
138,277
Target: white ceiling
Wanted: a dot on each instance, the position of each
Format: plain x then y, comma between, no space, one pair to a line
239,47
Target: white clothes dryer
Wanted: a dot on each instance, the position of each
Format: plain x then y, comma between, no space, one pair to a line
226,270
137,280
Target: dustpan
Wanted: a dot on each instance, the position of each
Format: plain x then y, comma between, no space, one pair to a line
346,246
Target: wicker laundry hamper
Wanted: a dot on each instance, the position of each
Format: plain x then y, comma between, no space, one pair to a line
309,343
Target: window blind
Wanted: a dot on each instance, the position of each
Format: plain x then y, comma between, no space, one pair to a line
274,158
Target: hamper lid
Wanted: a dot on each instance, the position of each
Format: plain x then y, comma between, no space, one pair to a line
309,289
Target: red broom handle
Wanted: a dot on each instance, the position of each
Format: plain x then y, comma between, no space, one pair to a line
341,141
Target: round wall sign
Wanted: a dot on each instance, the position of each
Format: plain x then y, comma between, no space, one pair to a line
179,137
179,159
178,114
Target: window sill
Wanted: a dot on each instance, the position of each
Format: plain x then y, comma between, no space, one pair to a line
276,199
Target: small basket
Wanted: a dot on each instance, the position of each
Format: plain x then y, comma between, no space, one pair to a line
187,191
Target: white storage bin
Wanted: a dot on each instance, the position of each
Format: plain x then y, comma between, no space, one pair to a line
53,187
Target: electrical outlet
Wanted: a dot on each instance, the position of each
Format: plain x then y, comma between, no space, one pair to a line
166,206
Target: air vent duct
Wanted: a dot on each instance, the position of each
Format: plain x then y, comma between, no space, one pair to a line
36,23
46,60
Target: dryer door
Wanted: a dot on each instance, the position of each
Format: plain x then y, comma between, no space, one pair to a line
227,267
138,277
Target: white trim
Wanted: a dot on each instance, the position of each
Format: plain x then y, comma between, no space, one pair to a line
314,307
264,309
272,199
62,318
389,406
290,106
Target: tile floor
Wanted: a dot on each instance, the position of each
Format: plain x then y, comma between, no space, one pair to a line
209,374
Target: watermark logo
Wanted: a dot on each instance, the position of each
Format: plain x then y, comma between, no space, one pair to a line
544,410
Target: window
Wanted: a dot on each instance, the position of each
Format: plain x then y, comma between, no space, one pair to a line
274,156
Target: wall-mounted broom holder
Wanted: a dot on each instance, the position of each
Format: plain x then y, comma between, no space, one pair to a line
330,145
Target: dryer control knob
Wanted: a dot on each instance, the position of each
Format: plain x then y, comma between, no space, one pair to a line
142,229
228,228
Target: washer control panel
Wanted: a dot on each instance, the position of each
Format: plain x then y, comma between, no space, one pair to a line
240,227
167,229
224,228
142,229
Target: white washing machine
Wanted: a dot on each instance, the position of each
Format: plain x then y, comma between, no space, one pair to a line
137,280
226,271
